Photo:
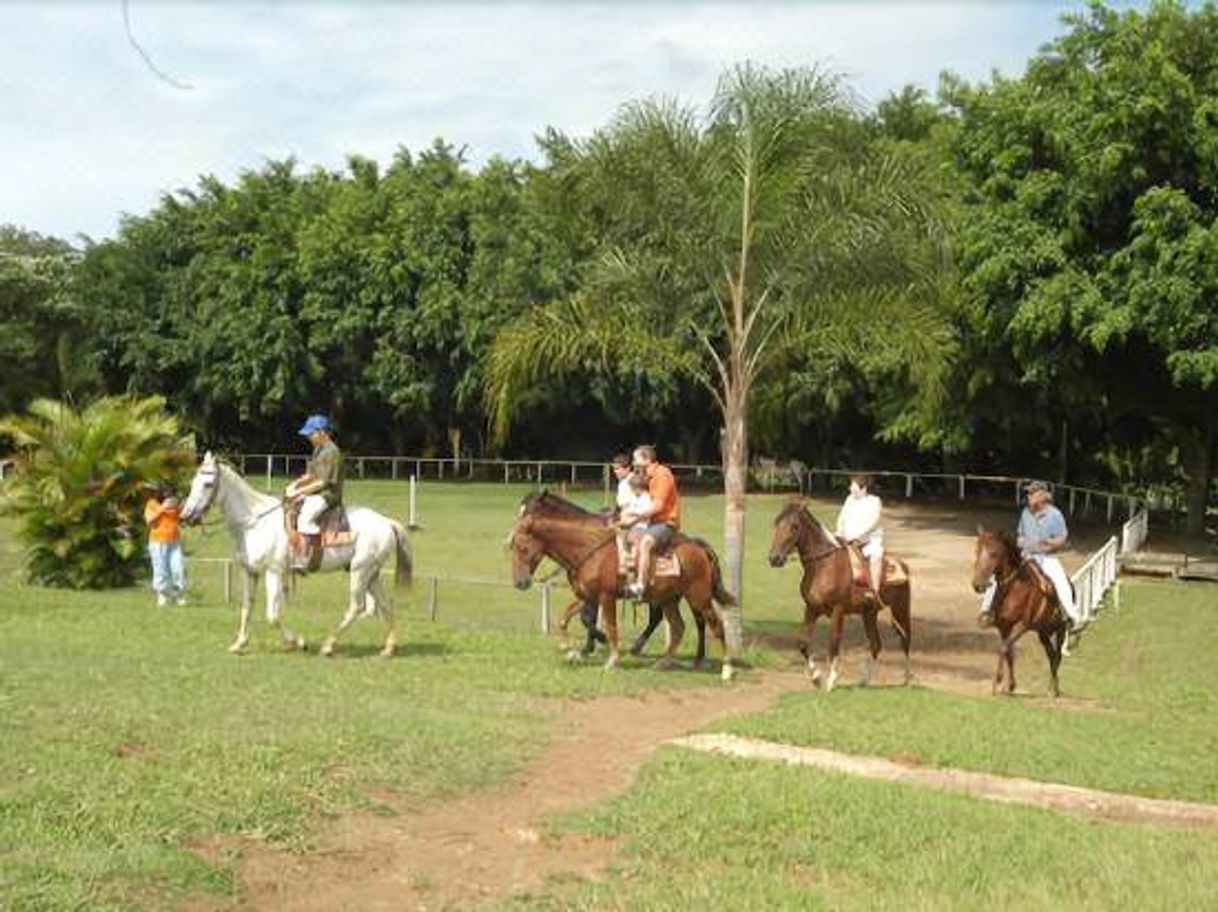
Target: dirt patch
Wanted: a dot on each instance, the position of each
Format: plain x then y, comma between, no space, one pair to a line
491,844
1004,789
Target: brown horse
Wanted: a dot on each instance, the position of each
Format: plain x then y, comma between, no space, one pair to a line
583,544
1024,600
828,587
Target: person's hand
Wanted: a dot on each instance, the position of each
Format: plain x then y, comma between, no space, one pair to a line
171,502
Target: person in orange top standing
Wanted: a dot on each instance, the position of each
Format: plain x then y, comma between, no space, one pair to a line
663,515
165,546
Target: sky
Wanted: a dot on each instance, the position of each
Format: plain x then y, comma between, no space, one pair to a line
102,114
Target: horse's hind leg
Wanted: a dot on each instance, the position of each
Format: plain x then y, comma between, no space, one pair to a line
671,611
355,605
378,592
902,623
873,641
700,626
655,614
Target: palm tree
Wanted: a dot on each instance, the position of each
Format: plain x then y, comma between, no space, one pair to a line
777,227
80,485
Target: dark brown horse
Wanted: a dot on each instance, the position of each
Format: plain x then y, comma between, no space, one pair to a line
828,587
1024,600
583,544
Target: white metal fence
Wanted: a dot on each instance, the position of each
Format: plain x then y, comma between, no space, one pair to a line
1134,532
1094,578
767,476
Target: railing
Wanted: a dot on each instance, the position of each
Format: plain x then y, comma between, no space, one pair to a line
1134,532
1094,578
1073,499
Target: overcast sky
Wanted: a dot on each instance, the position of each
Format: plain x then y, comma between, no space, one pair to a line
90,131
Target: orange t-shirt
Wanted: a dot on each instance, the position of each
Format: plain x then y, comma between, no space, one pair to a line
662,488
162,522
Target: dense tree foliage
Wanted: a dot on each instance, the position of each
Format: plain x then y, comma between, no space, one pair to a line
1042,246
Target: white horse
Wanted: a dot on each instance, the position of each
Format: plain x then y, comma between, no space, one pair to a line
255,521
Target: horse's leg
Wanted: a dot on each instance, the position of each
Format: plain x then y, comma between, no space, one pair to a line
805,643
1054,655
835,646
355,604
274,610
1007,653
608,602
670,610
377,590
655,614
569,612
700,626
873,641
902,622
247,604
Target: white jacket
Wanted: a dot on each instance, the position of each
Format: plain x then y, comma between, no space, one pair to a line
859,518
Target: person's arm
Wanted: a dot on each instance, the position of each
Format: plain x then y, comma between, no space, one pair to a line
152,511
1056,533
660,492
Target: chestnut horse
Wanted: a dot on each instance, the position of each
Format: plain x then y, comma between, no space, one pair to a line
828,587
583,544
1024,600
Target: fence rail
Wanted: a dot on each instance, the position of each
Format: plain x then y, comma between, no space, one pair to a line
1075,500
1094,578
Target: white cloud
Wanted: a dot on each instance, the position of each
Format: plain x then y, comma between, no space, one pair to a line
91,131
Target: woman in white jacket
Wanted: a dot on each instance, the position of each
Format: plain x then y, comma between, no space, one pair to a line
859,522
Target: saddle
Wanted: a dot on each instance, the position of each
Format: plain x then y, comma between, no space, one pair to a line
664,563
860,571
306,549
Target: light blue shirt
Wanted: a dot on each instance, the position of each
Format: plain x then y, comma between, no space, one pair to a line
1036,527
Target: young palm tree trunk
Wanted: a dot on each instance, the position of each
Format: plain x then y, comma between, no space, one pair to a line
735,473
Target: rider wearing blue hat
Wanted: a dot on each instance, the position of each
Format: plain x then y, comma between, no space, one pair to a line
319,489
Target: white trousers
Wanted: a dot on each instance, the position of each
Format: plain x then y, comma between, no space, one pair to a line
311,508
1053,569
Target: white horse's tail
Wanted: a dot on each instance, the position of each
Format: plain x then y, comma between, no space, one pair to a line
403,573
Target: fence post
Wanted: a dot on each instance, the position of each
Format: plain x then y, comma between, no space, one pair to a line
433,597
1110,508
545,608
269,459
393,468
440,467
1072,501
572,474
605,476
539,474
908,487
505,473
412,521
962,487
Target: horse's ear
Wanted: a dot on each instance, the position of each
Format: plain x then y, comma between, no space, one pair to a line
980,529
209,456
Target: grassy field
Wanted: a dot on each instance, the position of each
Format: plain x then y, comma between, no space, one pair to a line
131,735
700,830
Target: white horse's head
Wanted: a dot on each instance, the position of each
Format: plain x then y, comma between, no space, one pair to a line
203,489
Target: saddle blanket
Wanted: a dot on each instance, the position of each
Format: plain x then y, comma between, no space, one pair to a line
335,529
860,572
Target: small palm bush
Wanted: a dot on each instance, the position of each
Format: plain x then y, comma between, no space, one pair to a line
79,486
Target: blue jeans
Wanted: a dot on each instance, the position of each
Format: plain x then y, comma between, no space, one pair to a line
168,568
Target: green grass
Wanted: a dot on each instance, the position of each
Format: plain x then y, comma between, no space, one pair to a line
708,832
1145,669
130,733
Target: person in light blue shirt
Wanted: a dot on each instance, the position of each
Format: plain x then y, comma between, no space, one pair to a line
1041,533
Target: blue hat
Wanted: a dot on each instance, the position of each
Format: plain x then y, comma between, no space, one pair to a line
313,424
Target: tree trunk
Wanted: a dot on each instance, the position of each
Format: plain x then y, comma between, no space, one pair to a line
735,476
1198,453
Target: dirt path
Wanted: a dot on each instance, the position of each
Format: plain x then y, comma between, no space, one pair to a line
1003,789
487,845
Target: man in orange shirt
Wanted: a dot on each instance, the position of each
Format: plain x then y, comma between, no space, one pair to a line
663,515
165,546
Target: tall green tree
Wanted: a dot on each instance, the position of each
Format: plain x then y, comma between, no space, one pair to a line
1090,248
79,486
725,245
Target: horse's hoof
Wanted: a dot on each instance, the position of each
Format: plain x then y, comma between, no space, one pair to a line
386,653
728,672
327,649
698,664
814,677
238,647
574,657
300,645
611,663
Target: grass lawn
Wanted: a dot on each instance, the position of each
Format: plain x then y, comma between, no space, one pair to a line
130,732
714,832
700,831
1145,668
